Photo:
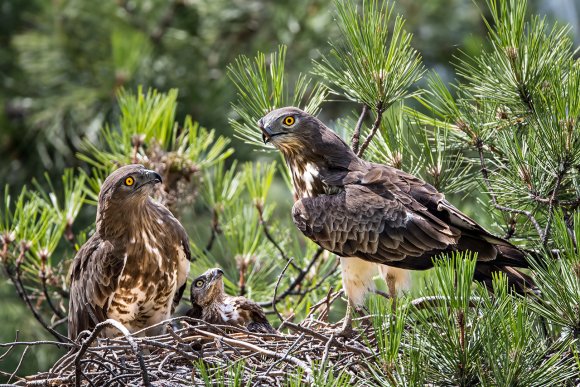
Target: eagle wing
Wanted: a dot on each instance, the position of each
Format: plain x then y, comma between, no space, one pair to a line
376,219
253,315
94,278
184,259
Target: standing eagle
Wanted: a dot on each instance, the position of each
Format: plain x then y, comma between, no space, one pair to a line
134,268
375,212
210,303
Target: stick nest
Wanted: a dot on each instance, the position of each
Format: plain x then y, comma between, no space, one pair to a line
192,352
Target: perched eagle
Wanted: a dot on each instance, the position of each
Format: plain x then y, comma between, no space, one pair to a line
375,212
135,266
210,303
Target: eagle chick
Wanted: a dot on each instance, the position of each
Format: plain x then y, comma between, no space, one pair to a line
211,304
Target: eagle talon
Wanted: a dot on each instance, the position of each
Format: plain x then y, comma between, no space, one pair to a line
346,331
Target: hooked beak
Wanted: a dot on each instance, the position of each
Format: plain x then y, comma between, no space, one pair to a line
150,177
266,132
216,274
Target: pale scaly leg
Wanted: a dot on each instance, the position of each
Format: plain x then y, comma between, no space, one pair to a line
357,282
346,330
397,280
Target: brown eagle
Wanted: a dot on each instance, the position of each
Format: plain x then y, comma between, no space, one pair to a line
375,212
210,303
134,268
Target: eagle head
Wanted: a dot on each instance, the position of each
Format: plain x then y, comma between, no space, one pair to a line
298,134
208,288
290,127
131,183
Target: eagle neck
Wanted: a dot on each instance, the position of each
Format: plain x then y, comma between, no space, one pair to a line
315,174
306,176
135,222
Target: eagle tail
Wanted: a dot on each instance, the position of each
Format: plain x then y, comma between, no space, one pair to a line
517,281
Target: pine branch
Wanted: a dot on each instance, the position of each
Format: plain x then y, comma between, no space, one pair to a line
297,281
356,135
266,231
215,230
561,173
485,175
376,126
16,279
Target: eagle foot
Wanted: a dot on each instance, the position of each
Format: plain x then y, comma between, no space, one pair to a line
346,332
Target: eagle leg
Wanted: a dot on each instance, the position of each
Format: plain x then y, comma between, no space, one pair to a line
391,284
346,330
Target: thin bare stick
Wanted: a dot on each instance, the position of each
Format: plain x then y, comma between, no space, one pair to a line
320,282
276,289
376,126
326,352
93,336
266,231
10,347
356,135
287,353
40,342
323,338
299,278
21,290
59,322
19,363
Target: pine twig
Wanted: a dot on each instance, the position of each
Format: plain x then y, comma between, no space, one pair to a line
356,135
266,231
485,175
376,126
166,21
215,230
299,278
559,178
21,290
276,289
42,275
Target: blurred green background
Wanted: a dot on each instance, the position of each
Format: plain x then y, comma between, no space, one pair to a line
62,62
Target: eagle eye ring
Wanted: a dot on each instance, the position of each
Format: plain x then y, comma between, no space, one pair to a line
129,181
289,121
199,283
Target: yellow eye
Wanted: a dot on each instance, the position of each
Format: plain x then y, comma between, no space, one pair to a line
289,121
129,181
199,284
